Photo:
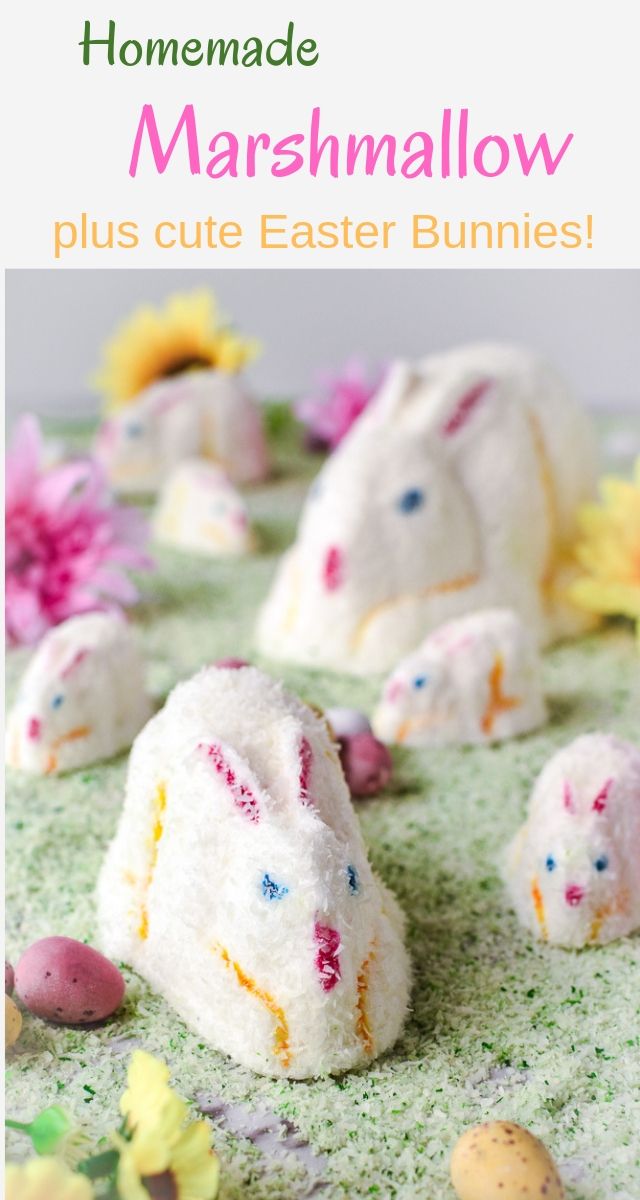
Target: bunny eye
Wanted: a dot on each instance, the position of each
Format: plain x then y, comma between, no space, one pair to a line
601,863
411,500
133,429
353,880
420,681
57,700
550,862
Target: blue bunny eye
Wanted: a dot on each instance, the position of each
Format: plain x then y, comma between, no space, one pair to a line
134,429
550,862
57,700
601,863
411,500
420,681
353,879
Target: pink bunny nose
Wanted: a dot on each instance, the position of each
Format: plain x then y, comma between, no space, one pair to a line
333,569
574,894
34,728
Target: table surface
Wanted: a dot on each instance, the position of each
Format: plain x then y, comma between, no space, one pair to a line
500,1027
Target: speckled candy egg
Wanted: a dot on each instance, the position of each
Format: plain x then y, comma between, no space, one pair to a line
502,1161
12,1022
65,981
367,764
8,978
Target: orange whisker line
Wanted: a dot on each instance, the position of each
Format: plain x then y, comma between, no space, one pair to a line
619,905
363,1024
159,805
538,906
81,731
281,1047
497,702
436,589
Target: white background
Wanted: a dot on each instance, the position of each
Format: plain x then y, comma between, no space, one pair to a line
585,322
559,67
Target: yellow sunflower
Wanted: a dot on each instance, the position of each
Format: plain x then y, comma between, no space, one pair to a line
45,1179
609,550
187,334
149,1168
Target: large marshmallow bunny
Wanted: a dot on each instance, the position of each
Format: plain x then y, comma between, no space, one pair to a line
82,698
238,882
573,870
200,510
199,414
476,679
456,490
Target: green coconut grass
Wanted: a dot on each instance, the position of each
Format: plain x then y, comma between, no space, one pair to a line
500,1027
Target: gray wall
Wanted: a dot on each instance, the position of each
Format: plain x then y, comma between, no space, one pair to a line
586,321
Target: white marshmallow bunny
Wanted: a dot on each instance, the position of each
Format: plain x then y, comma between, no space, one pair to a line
238,882
200,510
573,870
199,414
476,679
82,698
456,490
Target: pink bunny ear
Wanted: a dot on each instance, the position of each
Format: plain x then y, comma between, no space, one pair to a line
600,801
464,407
74,662
305,758
243,789
568,798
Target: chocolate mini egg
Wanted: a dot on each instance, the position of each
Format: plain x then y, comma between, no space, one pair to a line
12,1022
8,978
502,1161
346,722
65,981
366,762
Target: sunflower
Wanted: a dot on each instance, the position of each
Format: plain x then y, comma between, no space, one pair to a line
150,1168
45,1179
609,550
188,334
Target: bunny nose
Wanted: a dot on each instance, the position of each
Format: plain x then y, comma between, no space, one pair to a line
333,569
33,729
574,894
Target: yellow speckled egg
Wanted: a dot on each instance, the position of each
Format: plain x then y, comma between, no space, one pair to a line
12,1021
502,1161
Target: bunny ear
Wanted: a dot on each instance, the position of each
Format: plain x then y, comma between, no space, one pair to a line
402,386
76,658
600,801
463,405
238,780
568,798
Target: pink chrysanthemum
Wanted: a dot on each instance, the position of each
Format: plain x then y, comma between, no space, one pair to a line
67,544
329,413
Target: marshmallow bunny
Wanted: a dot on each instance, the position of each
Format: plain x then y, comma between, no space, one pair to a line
573,870
200,413
200,510
456,490
82,698
238,883
475,679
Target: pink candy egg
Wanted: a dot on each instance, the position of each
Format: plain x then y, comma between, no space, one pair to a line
65,981
366,762
8,978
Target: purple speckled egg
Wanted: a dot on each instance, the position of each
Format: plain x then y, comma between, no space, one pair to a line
366,762
9,979
65,981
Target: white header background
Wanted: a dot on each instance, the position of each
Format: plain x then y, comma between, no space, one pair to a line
559,68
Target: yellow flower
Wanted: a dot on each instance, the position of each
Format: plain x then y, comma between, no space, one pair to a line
45,1179
187,334
609,550
149,1104
150,1169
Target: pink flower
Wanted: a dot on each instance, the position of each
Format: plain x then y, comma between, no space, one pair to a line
67,544
329,413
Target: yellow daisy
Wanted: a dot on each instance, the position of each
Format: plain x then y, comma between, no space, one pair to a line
609,550
150,1169
187,334
149,1104
45,1179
